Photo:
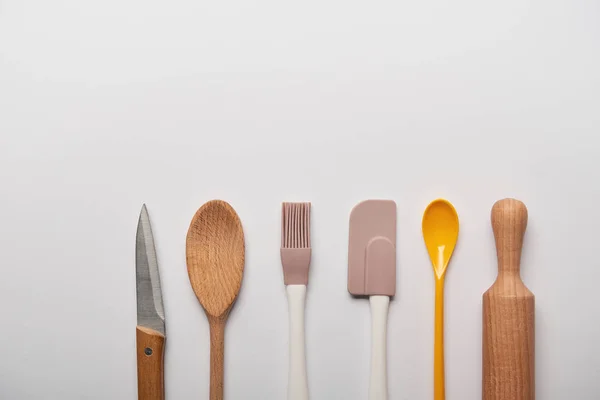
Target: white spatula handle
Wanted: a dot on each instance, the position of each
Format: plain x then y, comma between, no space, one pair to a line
297,380
379,315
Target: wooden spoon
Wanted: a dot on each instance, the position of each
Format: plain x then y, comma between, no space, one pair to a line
215,262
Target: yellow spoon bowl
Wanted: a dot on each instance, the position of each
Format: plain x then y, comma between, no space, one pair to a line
440,232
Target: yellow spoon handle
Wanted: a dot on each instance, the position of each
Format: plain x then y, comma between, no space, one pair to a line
439,390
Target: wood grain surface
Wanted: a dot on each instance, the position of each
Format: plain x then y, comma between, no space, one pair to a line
508,313
215,261
150,364
217,356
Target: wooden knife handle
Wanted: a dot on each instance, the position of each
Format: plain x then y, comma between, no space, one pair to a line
150,364
508,313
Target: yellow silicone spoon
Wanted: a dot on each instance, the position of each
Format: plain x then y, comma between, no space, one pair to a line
440,231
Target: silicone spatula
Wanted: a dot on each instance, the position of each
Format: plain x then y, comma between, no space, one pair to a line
372,272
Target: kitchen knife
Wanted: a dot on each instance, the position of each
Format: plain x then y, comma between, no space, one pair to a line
150,332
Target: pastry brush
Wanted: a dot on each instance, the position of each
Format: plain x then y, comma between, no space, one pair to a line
295,258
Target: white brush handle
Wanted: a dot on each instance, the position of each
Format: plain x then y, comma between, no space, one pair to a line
379,315
297,380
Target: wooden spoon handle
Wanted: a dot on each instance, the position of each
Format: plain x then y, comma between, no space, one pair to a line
509,221
150,345
217,357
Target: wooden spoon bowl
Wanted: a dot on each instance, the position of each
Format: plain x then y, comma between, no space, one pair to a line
215,263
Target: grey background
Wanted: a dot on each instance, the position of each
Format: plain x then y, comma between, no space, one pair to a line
106,105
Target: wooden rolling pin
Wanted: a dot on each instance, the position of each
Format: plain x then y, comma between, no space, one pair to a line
508,313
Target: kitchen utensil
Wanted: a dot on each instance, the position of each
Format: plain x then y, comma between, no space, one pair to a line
295,259
440,232
150,331
508,313
215,262
372,272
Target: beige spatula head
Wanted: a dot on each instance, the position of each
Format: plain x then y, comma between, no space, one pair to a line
372,249
215,256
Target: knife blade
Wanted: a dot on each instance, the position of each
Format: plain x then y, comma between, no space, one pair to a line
150,330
